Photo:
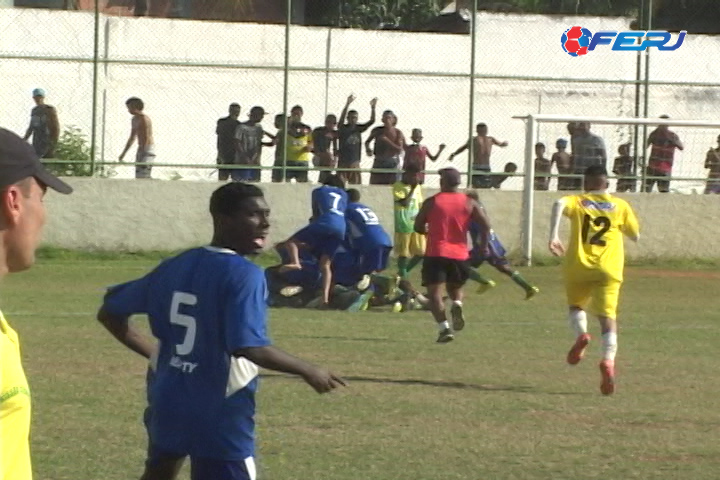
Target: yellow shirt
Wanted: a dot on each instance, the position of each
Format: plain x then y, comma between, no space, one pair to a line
405,216
598,222
299,136
14,409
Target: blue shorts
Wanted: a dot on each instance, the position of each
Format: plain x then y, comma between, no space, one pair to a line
494,255
375,260
321,240
205,468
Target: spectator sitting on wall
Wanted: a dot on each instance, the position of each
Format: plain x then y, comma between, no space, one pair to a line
624,168
563,162
225,131
663,143
712,162
325,144
498,180
482,148
44,126
299,145
389,144
350,140
587,149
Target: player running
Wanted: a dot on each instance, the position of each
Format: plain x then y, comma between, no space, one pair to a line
495,256
207,308
594,261
326,231
445,218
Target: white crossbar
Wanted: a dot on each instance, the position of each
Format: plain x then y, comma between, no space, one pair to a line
548,118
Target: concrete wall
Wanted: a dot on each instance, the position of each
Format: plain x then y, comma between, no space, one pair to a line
155,215
185,101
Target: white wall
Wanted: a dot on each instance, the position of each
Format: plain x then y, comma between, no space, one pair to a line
184,102
104,214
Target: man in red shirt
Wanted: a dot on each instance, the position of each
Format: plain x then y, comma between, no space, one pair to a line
445,218
416,154
663,142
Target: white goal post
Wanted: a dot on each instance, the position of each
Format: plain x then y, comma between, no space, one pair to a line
532,121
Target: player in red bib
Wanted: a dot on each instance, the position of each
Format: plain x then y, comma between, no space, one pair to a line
446,218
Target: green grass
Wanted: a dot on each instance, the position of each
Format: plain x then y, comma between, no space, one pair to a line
498,403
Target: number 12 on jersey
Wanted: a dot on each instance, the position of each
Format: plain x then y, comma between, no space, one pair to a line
602,222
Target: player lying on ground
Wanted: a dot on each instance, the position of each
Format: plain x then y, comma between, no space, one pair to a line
207,308
495,256
325,233
593,265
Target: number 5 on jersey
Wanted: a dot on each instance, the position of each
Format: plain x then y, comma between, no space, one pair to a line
190,324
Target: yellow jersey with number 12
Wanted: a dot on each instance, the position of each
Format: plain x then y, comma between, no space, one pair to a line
14,409
598,222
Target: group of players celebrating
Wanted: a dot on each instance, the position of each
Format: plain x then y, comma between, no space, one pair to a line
208,306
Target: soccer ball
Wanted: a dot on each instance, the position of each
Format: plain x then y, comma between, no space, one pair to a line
575,41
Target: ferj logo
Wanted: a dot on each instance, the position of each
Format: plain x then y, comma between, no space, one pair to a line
577,41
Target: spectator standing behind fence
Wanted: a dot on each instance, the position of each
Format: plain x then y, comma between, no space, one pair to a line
663,143
278,175
624,168
712,162
299,145
389,144
587,149
140,128
325,144
563,163
248,146
542,168
44,126
482,148
350,140
225,131
416,155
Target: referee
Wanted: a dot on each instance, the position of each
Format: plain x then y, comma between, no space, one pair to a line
445,218
23,182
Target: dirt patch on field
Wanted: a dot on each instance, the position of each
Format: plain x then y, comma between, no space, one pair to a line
675,273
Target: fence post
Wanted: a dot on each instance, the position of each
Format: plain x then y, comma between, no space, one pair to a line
528,189
96,53
286,72
471,115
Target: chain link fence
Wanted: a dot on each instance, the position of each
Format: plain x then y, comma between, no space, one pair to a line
188,73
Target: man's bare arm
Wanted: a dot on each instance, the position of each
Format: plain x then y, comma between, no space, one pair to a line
437,155
343,114
373,105
499,143
130,141
422,216
125,333
461,149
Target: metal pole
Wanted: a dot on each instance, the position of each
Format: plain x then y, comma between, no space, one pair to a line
471,116
328,48
96,48
638,74
646,98
286,73
528,190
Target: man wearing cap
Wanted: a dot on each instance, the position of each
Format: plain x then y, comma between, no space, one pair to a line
44,126
225,131
23,182
663,143
446,218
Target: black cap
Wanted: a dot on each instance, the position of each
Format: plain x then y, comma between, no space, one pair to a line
451,176
18,161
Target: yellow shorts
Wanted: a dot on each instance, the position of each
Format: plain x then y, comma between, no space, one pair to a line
602,296
409,244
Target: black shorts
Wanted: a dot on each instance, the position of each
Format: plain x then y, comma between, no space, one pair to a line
437,270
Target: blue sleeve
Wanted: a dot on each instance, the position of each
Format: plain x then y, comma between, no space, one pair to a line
245,316
128,298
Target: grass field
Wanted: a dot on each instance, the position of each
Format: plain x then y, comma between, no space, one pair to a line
498,403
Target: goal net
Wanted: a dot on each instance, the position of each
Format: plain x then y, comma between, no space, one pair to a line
699,139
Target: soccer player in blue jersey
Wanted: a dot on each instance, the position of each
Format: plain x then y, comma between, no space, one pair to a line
366,235
325,233
207,308
495,256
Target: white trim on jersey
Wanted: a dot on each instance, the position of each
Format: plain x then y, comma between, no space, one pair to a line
242,371
220,250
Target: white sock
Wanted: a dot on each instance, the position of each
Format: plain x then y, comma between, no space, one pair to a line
578,322
422,299
457,302
444,325
609,346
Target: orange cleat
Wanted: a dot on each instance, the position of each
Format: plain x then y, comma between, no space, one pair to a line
607,370
577,352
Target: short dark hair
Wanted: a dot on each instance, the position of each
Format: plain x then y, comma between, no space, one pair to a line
227,200
473,194
334,181
540,144
136,102
352,112
353,195
481,125
296,107
596,171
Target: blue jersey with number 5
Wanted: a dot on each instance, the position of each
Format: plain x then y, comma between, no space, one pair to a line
329,205
364,229
202,305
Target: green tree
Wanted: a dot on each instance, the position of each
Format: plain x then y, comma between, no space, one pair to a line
73,151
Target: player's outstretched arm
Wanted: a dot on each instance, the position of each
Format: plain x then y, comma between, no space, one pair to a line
125,333
556,246
273,358
421,218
